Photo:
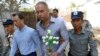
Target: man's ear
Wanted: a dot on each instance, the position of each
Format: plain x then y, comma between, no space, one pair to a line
22,20
82,20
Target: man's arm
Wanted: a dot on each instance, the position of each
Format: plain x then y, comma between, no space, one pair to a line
93,45
36,39
13,47
64,35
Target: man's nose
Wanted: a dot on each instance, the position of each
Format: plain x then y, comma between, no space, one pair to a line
40,14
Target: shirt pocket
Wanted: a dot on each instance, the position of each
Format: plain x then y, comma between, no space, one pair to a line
84,42
72,42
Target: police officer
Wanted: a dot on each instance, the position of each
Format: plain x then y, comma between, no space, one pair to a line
80,38
9,28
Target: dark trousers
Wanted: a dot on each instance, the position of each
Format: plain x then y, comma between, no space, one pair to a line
18,54
89,54
69,54
31,54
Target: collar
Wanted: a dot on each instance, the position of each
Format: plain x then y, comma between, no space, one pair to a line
82,31
22,28
52,20
10,36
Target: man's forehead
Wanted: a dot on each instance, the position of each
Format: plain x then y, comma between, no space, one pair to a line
40,6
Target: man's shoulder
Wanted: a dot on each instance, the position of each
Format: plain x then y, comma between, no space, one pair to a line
59,21
30,29
87,33
70,30
86,21
16,31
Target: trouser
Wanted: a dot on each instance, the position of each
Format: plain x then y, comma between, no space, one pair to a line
89,54
31,54
17,53
69,54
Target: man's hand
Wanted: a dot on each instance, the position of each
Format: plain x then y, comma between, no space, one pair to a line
55,54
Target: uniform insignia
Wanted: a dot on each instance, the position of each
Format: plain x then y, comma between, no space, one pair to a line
93,38
75,13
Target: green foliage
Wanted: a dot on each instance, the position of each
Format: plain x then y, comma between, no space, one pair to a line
12,5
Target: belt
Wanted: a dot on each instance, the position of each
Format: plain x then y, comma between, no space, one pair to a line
31,54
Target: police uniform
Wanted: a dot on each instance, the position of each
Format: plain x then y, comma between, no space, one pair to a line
9,39
86,25
79,42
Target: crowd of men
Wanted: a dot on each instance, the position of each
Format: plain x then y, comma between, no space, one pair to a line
27,41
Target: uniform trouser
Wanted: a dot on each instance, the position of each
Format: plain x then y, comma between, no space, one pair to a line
69,54
31,54
89,54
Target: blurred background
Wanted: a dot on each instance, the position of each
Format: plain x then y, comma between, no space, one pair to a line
91,9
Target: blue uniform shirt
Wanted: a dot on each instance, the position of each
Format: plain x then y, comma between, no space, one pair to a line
79,43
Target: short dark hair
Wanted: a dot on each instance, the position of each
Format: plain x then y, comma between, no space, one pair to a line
20,15
44,3
56,10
